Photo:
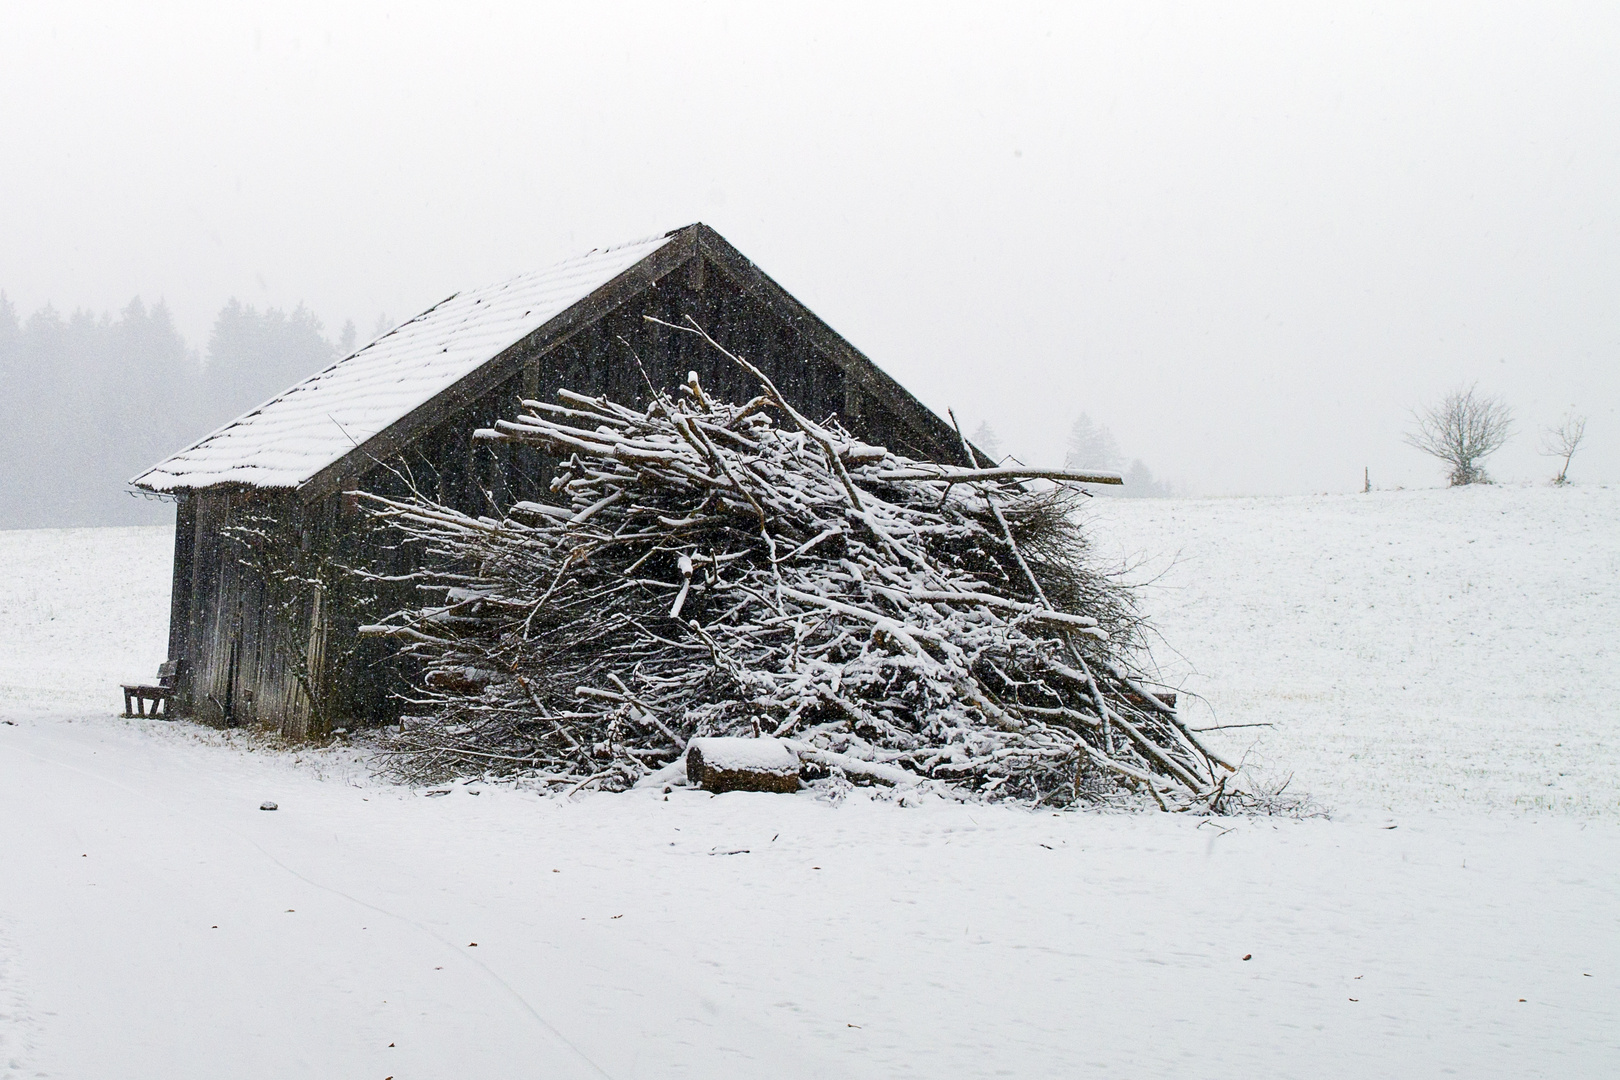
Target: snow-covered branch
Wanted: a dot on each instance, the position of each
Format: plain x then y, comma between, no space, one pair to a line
709,571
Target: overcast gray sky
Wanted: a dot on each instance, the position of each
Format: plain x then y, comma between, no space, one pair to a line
1247,238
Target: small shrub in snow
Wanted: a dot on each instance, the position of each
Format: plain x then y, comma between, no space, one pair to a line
1562,442
1462,430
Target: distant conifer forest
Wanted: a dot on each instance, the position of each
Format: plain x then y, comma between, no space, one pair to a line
91,400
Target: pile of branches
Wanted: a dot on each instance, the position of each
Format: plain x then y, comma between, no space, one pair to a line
737,569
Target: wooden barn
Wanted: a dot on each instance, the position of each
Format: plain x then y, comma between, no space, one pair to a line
264,612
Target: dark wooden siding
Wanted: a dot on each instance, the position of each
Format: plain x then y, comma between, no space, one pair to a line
230,665
237,664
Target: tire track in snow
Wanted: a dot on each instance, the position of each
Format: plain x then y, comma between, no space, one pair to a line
461,954
16,1022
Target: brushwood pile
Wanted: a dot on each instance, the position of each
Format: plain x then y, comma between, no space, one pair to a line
736,569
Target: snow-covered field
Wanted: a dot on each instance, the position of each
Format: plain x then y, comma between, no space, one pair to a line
1453,650
1440,669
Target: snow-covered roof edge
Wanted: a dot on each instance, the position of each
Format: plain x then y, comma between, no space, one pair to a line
144,473
291,438
351,447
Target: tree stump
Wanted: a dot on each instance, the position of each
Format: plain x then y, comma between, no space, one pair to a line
727,764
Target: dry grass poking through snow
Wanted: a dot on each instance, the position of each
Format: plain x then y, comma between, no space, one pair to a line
1449,649
81,610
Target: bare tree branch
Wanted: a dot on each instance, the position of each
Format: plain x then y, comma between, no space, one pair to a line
1562,442
708,571
1463,429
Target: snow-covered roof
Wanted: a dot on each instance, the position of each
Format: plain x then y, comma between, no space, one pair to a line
286,441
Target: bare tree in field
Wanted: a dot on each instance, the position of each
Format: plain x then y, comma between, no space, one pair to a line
1463,429
1562,442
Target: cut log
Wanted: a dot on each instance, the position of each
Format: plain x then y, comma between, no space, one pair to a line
729,764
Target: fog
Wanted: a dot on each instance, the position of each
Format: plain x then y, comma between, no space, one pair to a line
1249,240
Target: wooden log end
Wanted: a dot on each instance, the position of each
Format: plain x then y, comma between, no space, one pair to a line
729,764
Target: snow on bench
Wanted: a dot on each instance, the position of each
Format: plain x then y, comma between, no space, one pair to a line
136,695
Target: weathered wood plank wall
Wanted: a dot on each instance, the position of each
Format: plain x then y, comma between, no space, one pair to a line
237,667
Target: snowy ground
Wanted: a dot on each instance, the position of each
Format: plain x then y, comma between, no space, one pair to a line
1439,662
1415,649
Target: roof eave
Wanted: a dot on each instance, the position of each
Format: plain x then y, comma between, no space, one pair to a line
691,241
625,286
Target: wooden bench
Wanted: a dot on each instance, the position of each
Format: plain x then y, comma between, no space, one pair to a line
136,696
